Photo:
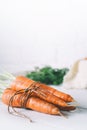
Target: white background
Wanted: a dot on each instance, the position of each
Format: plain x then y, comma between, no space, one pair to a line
42,32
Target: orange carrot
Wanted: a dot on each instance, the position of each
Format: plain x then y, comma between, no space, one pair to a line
25,83
52,99
22,82
62,95
9,97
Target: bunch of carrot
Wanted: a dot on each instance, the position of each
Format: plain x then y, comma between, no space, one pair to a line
26,93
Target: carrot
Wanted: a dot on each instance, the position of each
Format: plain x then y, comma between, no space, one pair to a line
22,82
10,98
63,96
52,98
68,108
85,58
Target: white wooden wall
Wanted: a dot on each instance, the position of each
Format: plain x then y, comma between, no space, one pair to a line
42,32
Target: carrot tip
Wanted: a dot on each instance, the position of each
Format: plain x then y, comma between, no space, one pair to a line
31,121
61,114
73,100
74,104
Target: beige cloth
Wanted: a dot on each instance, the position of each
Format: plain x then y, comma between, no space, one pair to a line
77,76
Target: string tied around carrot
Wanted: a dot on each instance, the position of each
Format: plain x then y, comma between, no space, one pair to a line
25,95
25,100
